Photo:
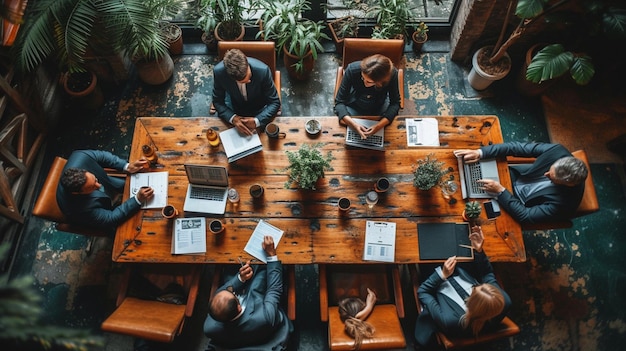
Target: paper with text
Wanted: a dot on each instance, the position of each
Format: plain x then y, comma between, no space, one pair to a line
189,236
380,241
157,181
254,246
422,132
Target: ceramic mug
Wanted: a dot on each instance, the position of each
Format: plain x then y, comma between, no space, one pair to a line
273,131
256,191
344,204
216,226
382,185
169,211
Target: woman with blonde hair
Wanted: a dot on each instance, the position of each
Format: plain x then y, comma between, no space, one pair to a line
353,311
461,301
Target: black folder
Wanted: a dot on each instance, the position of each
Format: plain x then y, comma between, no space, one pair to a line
439,241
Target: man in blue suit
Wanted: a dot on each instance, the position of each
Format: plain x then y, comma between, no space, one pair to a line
244,93
86,192
549,189
245,310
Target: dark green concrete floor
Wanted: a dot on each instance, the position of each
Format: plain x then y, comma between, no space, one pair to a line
567,296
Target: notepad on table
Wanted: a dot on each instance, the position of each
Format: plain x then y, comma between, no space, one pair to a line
439,241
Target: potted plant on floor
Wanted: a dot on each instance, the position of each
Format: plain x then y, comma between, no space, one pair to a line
347,26
228,17
428,172
307,166
419,37
391,17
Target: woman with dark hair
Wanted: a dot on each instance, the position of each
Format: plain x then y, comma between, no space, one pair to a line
353,311
462,301
369,88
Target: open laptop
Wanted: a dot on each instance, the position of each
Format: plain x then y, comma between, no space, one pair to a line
374,142
471,172
207,189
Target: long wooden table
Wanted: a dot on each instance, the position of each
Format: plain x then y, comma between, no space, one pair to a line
315,231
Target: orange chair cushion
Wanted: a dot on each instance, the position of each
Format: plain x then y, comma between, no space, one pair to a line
506,329
384,318
46,205
146,319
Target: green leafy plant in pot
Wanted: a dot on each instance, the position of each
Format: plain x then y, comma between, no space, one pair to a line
307,166
419,37
428,172
472,212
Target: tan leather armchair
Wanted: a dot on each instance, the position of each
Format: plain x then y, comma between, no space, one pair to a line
588,204
341,281
356,49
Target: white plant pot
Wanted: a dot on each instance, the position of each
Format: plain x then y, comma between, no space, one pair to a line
481,80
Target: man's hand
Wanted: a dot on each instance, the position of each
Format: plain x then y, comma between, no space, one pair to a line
245,272
138,165
144,194
448,267
491,186
477,238
245,125
469,156
268,245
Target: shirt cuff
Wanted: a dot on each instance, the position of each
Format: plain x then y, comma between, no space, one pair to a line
239,277
231,118
440,273
126,167
480,153
136,199
272,258
257,122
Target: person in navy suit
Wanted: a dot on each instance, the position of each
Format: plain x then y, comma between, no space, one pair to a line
368,88
549,189
244,93
245,310
461,301
86,193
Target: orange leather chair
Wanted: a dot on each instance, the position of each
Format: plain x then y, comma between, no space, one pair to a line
261,50
356,49
46,205
341,281
506,329
588,204
151,319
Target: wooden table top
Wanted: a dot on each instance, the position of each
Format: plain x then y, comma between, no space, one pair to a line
315,231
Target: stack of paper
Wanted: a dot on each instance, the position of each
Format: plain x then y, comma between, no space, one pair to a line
189,236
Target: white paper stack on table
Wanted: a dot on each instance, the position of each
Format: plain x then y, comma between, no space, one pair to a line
254,246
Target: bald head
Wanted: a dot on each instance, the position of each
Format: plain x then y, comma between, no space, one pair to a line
224,306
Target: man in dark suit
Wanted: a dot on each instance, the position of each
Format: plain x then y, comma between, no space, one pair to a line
244,311
244,93
86,192
549,189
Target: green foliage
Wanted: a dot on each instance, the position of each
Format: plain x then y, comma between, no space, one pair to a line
421,30
553,61
428,172
228,12
307,165
391,18
472,209
20,325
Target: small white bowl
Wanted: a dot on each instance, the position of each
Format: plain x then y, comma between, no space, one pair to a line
313,126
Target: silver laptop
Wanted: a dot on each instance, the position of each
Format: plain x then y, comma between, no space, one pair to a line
471,172
374,141
207,189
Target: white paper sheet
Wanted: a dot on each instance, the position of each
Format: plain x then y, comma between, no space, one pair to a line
254,247
157,181
422,132
189,236
380,241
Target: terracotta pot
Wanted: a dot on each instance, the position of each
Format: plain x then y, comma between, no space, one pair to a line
218,33
290,60
418,42
174,37
84,86
526,87
479,78
155,72
336,39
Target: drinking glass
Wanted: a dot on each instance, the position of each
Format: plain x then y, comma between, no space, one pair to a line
233,195
448,188
371,198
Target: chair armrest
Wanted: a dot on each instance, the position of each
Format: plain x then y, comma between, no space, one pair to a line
121,294
215,284
397,290
323,294
401,86
291,292
338,79
112,172
277,83
415,282
194,284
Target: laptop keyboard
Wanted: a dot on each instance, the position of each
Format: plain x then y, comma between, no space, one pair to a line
475,174
207,193
372,140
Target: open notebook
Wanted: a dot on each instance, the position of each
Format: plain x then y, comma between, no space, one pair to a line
237,145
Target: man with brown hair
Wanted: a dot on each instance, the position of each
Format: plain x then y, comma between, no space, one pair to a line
244,93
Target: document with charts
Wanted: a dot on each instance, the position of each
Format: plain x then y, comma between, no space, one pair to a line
157,181
380,241
189,236
422,132
254,246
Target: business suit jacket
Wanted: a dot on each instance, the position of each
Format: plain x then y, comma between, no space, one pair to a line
262,315
263,102
556,202
95,209
442,313
368,101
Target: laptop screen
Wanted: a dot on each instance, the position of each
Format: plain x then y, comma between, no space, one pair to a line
207,175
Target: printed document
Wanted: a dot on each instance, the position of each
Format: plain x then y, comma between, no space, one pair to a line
380,241
237,145
157,181
422,132
254,247
189,236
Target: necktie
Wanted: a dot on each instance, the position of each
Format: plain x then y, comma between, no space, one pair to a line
242,89
459,289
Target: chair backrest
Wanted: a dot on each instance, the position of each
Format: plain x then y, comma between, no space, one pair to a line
46,205
261,50
355,49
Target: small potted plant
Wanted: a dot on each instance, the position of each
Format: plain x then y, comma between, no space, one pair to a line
419,37
307,165
472,212
428,172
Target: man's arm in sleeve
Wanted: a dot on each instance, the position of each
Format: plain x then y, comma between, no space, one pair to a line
534,214
219,93
516,149
274,292
272,101
105,159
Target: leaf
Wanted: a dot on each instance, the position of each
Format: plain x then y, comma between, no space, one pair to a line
529,8
550,62
582,70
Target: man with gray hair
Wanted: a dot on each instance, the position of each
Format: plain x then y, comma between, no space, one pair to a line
244,93
547,190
